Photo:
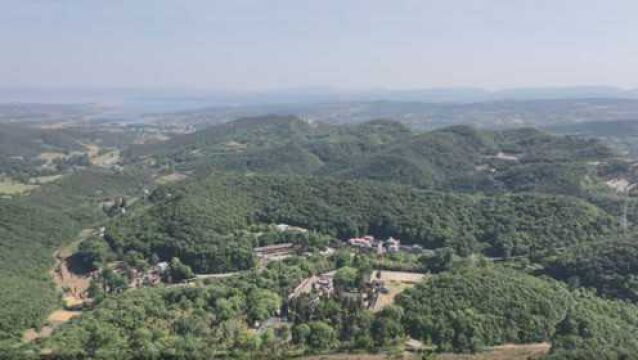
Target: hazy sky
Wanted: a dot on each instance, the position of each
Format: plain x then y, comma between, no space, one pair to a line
234,44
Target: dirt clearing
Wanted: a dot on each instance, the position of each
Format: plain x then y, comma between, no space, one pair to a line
504,352
73,285
355,357
55,319
395,282
171,178
61,316
107,159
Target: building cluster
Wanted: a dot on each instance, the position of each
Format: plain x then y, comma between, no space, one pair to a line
368,242
151,277
322,285
388,246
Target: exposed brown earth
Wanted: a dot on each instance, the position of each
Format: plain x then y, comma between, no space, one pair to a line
504,352
74,287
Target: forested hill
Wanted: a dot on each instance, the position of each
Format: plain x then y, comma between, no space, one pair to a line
608,266
194,220
32,227
454,158
267,132
466,309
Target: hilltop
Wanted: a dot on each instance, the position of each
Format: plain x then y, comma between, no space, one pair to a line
455,158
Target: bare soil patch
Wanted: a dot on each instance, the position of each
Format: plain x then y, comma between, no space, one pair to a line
171,178
354,357
619,185
55,319
504,352
61,316
396,282
107,159
74,286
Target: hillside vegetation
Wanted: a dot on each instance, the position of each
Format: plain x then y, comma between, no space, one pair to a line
472,307
467,310
197,220
596,328
609,266
28,151
31,228
454,158
535,203
464,310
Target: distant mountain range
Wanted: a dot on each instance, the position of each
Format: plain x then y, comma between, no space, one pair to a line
418,109
423,115
179,99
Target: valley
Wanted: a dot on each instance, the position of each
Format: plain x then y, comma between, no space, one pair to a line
310,238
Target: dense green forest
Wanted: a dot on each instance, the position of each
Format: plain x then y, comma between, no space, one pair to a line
454,158
610,266
31,227
596,329
198,221
471,307
457,158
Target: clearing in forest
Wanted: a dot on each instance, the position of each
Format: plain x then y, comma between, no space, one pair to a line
55,319
395,282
